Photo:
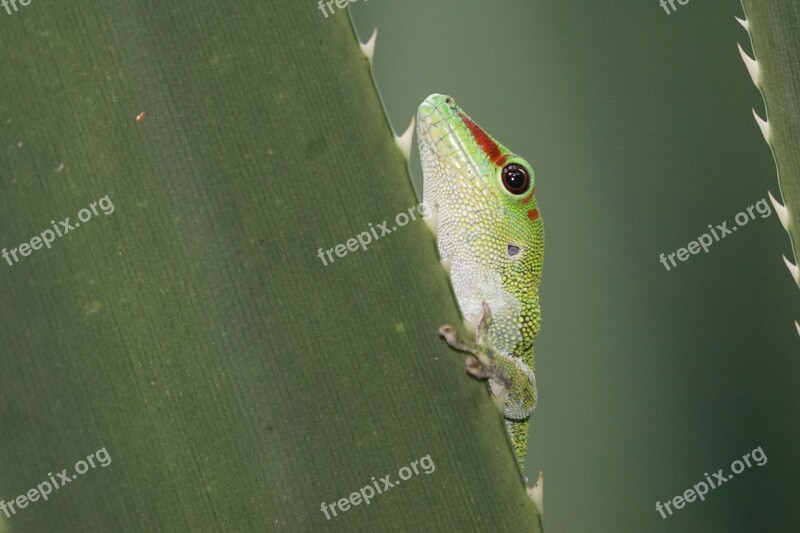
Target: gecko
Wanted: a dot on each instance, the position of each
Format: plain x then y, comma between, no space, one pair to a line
481,206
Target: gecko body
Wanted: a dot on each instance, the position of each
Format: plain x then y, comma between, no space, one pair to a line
481,205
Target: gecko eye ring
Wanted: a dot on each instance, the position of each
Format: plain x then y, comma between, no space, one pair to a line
515,178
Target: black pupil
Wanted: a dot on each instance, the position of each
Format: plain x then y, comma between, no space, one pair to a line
515,178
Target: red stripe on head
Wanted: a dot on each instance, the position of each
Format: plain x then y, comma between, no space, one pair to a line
489,147
533,214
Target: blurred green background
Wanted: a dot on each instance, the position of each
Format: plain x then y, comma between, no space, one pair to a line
639,128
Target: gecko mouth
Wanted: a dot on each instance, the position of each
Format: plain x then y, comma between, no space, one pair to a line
443,133
435,119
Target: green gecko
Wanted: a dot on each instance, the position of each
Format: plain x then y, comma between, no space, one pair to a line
481,206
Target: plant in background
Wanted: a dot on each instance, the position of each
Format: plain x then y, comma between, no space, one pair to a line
775,69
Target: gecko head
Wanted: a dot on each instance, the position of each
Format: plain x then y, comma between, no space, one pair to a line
460,158
467,170
488,221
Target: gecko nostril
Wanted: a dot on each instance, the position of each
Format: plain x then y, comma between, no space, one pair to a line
449,100
513,250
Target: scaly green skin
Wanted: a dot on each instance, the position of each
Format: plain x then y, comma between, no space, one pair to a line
773,29
492,240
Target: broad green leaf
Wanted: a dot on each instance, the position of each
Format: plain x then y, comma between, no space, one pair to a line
235,381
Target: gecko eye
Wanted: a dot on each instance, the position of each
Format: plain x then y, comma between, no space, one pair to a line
515,178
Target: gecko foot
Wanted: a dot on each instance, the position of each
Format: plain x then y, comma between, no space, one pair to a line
512,383
477,363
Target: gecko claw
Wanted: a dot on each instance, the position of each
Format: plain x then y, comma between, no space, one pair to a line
484,322
450,336
447,332
477,369
478,364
